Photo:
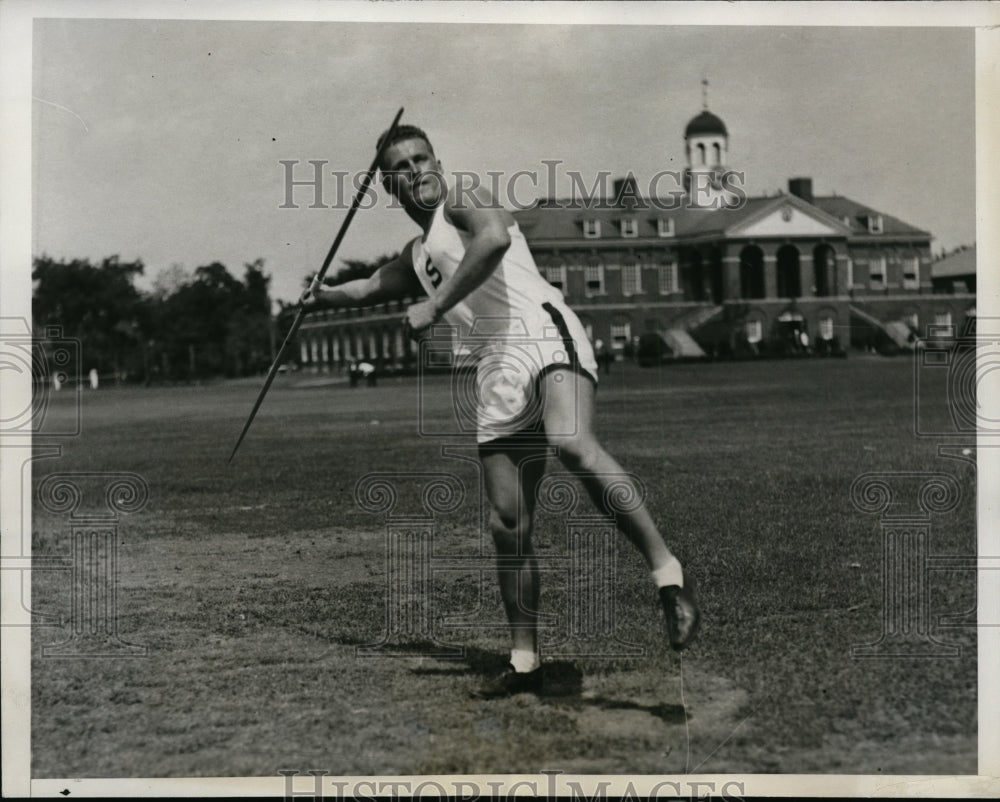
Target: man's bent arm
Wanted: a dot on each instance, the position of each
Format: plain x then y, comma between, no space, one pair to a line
488,223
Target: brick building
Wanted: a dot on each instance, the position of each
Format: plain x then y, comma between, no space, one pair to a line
955,272
706,271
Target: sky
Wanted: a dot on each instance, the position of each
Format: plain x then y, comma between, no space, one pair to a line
162,140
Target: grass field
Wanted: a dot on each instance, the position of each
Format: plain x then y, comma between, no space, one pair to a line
253,585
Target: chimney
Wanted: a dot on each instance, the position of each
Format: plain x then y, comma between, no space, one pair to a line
627,192
801,188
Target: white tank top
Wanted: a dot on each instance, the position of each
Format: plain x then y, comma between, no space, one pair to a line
508,303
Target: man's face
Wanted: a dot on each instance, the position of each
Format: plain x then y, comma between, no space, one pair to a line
413,174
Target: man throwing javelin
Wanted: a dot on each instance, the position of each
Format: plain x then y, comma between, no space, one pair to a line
479,276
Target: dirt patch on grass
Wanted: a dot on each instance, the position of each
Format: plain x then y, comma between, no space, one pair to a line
253,666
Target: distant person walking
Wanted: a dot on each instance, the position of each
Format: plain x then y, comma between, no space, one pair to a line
368,373
604,356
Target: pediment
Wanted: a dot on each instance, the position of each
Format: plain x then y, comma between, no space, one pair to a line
789,217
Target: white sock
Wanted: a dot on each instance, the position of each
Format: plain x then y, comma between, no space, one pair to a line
669,574
524,660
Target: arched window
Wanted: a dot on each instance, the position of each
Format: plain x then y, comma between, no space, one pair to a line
717,151
752,272
824,270
789,281
701,153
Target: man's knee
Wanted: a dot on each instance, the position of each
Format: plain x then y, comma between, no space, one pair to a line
579,453
510,529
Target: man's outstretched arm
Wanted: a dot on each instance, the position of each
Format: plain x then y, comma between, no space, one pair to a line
391,281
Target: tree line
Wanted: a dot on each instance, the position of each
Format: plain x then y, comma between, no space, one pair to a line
190,326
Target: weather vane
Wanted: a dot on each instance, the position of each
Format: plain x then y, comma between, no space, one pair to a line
704,93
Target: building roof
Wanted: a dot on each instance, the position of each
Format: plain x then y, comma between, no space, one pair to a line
560,219
552,220
854,214
705,123
718,220
955,265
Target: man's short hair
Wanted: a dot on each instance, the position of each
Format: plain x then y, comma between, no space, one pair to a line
402,132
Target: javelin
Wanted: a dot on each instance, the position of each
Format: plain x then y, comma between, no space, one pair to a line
317,280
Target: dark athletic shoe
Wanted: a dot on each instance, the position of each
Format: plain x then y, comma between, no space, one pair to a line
510,683
683,616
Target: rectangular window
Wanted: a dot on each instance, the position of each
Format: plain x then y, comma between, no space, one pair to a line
876,273
665,227
556,276
593,276
942,327
591,229
621,333
668,281
630,228
631,279
911,274
875,223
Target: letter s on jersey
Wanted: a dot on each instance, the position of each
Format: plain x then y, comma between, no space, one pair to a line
432,273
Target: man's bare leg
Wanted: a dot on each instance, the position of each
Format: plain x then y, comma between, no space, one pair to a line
568,414
569,425
512,475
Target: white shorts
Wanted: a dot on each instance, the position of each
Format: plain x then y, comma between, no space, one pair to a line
505,388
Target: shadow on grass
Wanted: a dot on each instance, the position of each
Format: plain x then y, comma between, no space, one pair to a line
563,681
669,714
